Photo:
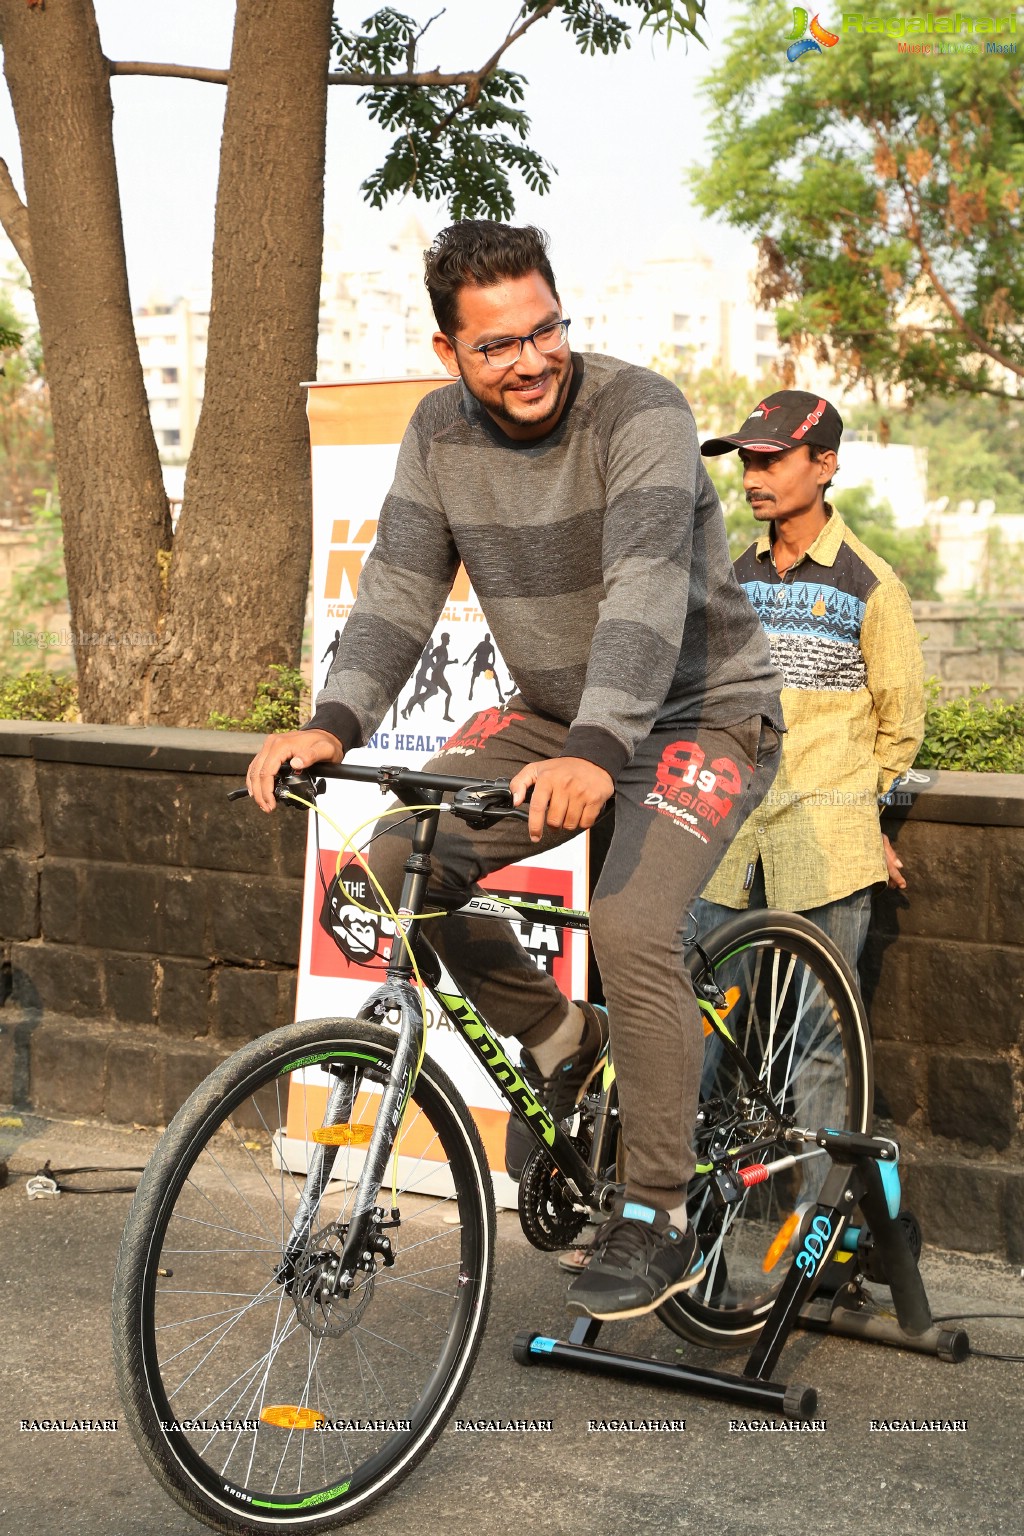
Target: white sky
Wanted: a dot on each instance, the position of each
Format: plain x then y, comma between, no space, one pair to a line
619,131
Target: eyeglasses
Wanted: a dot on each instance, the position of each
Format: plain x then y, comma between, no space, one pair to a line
509,349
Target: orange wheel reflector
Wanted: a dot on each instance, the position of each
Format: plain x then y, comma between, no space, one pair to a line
284,1416
343,1135
732,997
781,1242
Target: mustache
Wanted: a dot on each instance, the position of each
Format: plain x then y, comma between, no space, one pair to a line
752,496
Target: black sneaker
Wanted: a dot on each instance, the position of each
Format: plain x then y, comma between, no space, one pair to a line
640,1259
562,1091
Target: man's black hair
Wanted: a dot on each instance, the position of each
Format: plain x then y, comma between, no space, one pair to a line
479,253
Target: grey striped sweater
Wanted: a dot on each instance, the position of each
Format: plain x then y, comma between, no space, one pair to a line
598,555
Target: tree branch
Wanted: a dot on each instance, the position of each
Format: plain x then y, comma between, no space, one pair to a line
14,218
976,339
174,71
432,78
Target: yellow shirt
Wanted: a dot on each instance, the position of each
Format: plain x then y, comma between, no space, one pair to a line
842,633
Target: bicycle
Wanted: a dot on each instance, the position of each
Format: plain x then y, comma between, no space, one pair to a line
293,1325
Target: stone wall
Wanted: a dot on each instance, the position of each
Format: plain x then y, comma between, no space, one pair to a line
944,979
965,644
148,927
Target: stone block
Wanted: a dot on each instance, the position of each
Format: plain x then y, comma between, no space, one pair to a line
81,811
291,832
60,901
20,825
970,665
154,807
134,1080
885,981
183,996
232,835
145,909
183,901
1011,668
971,1098
1015,1216
959,1204
58,979
246,1003
900,1083
1006,889
8,1095
129,983
19,894
183,1068
947,876
937,633
967,994
288,986
68,1067
255,919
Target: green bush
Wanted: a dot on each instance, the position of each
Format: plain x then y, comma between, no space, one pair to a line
972,733
279,705
39,695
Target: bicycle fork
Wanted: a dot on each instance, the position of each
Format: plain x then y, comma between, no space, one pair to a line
339,1110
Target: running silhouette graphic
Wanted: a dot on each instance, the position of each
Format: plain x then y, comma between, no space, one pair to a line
484,665
430,678
331,651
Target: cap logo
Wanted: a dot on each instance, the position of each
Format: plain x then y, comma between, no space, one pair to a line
810,420
763,410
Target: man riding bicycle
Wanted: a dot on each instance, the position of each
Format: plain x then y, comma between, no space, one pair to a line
572,489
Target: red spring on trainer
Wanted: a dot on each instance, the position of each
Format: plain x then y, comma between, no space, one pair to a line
756,1173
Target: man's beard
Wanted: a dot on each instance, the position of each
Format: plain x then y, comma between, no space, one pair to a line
501,410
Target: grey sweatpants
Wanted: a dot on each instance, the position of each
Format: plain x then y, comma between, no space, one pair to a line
677,806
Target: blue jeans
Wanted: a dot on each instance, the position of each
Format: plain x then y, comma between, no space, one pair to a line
818,1088
844,921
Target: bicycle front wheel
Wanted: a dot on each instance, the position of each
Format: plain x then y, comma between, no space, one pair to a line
795,1010
263,1395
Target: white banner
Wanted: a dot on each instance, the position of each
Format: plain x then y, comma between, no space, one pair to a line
355,430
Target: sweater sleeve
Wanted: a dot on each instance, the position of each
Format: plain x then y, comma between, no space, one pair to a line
650,441
403,587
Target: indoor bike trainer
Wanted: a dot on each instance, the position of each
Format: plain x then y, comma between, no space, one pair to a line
823,1289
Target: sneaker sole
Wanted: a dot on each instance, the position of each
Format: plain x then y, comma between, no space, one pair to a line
685,1284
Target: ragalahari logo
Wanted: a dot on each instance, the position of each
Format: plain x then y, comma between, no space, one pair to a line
810,37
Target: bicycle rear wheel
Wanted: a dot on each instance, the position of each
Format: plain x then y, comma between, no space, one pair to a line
795,1011
263,1400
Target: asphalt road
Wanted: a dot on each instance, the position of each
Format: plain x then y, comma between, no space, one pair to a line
57,1257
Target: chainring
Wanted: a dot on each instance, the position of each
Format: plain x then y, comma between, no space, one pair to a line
547,1212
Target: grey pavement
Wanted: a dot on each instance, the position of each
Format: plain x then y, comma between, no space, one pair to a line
56,1262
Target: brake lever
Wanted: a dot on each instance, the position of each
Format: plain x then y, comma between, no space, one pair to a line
287,785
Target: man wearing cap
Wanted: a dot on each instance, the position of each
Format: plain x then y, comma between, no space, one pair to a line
842,633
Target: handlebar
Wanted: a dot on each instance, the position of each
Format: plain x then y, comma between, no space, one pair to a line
478,802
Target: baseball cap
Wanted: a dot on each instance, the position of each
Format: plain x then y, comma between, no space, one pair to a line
784,420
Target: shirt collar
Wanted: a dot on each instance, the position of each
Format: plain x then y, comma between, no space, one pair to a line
825,547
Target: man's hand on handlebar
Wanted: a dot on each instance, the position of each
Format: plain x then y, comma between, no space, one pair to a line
569,794
300,749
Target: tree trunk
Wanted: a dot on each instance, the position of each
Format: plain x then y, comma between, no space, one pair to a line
113,504
240,564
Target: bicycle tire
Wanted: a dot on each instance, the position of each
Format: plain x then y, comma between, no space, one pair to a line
207,1331
818,1070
